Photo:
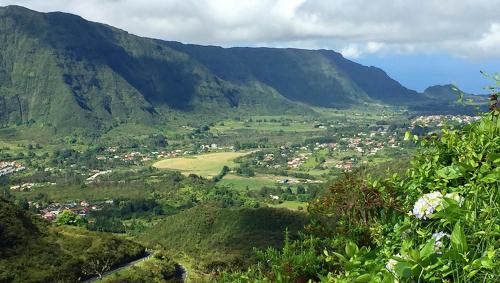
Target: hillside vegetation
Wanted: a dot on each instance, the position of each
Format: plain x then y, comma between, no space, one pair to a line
220,237
33,251
438,222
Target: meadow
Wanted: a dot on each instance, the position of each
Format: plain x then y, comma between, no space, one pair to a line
206,165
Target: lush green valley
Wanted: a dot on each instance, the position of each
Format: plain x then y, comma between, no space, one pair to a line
142,160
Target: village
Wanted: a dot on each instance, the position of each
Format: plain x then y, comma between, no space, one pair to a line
343,154
50,211
9,167
441,120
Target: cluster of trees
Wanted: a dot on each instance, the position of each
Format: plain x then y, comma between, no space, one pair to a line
70,218
287,193
111,217
245,170
223,172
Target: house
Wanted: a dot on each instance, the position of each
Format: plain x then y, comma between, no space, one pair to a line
49,216
273,197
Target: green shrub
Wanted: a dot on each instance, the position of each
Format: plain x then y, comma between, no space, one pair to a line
439,222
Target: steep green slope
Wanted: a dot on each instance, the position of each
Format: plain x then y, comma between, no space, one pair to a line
48,76
61,70
227,235
33,251
316,77
299,75
374,81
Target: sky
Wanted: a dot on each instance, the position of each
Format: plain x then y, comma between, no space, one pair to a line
419,43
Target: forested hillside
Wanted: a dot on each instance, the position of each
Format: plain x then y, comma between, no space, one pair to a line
221,238
32,250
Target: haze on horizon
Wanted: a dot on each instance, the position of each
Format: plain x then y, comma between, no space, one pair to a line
418,43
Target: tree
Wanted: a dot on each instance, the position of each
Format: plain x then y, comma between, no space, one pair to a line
97,264
4,180
69,218
301,190
158,140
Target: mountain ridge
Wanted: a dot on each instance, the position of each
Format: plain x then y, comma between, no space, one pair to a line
60,70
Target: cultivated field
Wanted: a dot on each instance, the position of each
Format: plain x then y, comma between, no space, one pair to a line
206,165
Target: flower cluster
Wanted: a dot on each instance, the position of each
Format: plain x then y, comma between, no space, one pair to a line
438,239
391,265
425,206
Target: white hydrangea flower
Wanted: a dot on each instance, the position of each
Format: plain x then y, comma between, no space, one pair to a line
431,202
391,265
439,235
438,244
427,204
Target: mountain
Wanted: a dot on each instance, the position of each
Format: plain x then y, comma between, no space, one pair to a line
443,92
59,70
62,70
316,77
447,99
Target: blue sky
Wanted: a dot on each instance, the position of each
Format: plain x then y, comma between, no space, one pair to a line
418,71
419,43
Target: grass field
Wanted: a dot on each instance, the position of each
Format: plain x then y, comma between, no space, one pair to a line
265,127
76,193
206,165
253,183
292,205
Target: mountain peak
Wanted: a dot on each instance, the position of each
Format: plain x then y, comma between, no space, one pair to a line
16,9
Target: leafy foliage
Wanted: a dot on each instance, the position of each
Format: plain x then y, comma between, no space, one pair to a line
233,232
157,269
437,222
69,218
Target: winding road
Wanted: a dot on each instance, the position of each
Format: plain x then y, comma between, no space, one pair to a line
181,271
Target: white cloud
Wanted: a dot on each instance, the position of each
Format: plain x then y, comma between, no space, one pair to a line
354,51
467,28
351,51
374,47
490,41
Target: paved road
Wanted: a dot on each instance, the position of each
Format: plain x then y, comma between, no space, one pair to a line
180,270
108,273
183,272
